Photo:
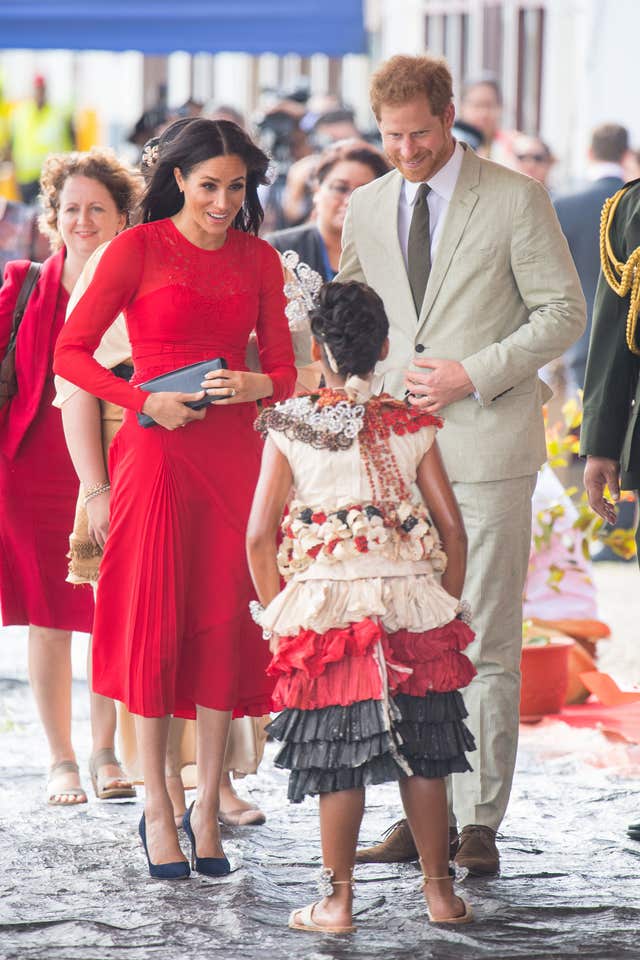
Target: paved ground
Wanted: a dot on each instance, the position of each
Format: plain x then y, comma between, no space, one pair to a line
73,883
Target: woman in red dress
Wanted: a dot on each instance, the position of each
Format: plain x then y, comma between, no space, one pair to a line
86,199
172,630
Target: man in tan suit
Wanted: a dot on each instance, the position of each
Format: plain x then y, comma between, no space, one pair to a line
481,292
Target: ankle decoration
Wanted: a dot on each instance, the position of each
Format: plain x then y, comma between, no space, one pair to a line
426,878
326,883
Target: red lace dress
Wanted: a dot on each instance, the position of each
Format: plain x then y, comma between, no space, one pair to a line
172,627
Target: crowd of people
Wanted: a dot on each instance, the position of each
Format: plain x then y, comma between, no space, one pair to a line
268,522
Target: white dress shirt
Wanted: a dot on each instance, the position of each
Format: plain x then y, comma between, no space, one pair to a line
442,185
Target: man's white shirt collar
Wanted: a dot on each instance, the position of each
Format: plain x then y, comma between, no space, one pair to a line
604,168
442,183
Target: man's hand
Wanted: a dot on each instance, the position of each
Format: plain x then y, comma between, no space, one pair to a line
599,473
446,382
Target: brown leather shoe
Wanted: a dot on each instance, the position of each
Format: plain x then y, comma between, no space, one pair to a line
397,846
454,842
478,851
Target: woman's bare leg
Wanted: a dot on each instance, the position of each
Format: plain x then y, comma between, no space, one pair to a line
212,733
162,837
50,677
173,769
340,819
103,730
239,812
425,803
245,750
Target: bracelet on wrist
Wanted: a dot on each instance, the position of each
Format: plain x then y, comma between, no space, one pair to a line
465,613
96,490
88,490
257,611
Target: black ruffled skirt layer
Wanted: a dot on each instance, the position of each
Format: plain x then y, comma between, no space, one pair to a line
372,741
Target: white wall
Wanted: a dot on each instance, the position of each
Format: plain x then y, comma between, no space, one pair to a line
590,64
355,88
564,122
402,27
611,79
232,80
589,75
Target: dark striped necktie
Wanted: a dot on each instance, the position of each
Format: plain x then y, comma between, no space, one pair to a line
419,247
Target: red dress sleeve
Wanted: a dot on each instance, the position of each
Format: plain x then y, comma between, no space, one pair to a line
272,328
15,273
114,286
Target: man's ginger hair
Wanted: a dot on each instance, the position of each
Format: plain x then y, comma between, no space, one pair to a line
403,78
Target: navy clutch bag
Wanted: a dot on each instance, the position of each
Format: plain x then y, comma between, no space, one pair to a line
182,380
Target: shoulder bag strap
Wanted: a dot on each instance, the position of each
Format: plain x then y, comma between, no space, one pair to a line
27,288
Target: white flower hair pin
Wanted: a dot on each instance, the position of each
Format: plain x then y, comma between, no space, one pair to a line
301,289
151,153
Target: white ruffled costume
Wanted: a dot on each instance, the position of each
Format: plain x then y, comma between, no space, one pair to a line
370,659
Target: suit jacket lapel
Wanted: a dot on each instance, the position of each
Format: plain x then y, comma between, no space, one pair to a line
387,227
461,206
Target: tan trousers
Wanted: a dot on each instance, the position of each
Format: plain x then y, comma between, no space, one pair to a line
497,517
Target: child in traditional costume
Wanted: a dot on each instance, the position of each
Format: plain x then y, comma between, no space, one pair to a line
367,635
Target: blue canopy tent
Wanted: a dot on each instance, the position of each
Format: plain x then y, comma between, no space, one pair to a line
332,27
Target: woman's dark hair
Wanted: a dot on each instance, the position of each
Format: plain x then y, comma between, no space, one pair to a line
198,141
356,151
151,149
351,321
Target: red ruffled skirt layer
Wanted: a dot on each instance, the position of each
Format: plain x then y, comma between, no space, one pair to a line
172,627
343,666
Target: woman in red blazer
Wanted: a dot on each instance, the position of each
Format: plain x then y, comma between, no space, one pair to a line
86,202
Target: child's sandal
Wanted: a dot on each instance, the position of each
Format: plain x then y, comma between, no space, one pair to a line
302,917
466,917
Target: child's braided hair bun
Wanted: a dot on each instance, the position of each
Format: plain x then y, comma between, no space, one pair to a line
350,319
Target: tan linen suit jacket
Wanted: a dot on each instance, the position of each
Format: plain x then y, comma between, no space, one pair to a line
503,298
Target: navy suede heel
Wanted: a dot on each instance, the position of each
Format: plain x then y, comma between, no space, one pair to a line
208,866
162,871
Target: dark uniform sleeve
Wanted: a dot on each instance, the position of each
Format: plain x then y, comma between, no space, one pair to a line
612,369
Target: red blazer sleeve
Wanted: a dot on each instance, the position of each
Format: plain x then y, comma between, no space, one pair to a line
113,288
14,276
272,328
